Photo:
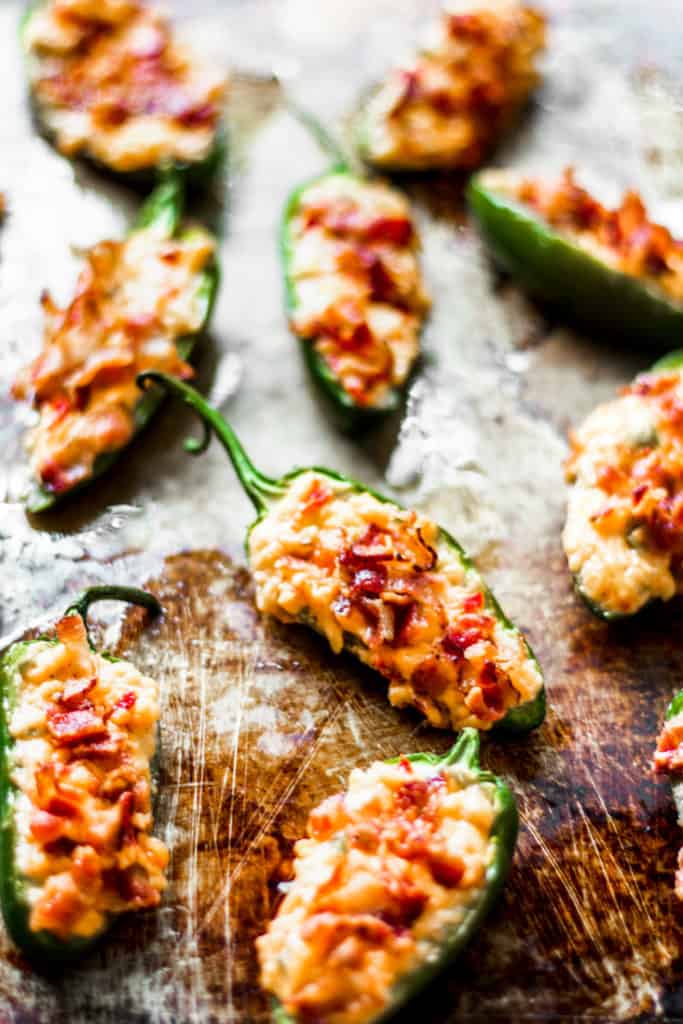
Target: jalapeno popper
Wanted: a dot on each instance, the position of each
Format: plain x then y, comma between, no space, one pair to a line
614,269
140,304
449,106
395,875
624,532
668,760
384,583
77,739
109,81
354,292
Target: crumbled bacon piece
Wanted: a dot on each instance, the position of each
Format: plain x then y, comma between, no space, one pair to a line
75,726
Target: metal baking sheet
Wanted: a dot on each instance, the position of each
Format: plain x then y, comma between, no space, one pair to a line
259,722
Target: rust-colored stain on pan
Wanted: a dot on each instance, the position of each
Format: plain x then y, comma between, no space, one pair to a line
260,721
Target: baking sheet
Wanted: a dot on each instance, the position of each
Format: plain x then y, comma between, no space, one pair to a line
259,722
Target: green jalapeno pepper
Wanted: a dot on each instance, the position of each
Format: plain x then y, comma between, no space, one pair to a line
196,174
446,944
163,212
350,414
265,493
566,275
648,441
16,910
675,708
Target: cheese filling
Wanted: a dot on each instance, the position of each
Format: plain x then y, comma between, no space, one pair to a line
359,297
624,531
385,583
624,238
111,81
386,869
451,103
133,301
84,733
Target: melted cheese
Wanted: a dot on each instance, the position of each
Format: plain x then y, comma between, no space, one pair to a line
452,660
369,901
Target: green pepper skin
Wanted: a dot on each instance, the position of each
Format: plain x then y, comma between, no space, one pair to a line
350,416
264,491
464,754
565,275
671,361
197,176
42,947
163,207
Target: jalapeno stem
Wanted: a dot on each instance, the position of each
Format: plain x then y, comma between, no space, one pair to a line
107,592
465,751
328,144
163,208
257,485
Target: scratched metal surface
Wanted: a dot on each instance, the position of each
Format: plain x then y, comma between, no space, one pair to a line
260,722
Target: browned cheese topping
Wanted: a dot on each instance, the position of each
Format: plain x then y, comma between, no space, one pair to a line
356,278
84,734
384,582
133,301
110,79
385,869
450,105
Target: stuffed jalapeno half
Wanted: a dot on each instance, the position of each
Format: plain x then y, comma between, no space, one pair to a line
77,744
139,304
609,268
668,760
354,291
449,106
109,81
624,532
386,584
392,879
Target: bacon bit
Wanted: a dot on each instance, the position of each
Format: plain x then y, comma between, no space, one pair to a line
473,602
394,230
407,902
46,827
75,690
405,764
375,545
49,796
127,701
96,750
432,677
490,688
608,478
133,887
71,632
446,869
411,797
639,493
369,582
76,726
318,495
54,477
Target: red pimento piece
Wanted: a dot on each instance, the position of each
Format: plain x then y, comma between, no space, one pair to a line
127,701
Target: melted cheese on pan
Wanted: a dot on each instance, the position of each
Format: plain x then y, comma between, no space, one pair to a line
385,583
